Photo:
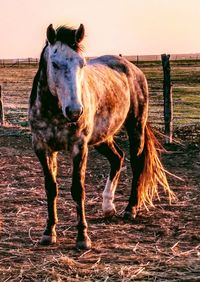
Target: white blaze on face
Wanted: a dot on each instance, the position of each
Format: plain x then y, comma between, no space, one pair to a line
64,75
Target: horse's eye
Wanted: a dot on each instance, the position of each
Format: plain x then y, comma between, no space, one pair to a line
55,66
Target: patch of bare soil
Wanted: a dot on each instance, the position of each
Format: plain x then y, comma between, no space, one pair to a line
163,244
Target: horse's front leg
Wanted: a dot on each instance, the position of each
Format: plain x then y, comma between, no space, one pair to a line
80,154
49,165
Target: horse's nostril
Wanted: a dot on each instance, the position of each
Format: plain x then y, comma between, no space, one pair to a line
73,113
67,111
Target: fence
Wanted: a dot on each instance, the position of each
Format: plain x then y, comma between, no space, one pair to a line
18,62
134,58
17,81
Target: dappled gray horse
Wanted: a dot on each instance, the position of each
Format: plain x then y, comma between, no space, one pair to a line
75,104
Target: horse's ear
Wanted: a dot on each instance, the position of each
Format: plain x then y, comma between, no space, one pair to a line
80,33
51,34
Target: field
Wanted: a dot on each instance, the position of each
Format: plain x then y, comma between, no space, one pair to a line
162,244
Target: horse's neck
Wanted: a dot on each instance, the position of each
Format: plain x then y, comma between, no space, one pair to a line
44,95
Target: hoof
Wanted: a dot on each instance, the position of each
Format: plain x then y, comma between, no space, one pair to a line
84,245
130,215
110,213
48,240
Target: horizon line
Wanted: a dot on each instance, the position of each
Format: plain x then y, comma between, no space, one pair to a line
128,57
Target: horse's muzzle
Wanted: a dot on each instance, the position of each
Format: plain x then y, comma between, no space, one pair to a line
73,113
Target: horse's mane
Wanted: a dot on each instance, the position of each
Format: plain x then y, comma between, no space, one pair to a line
42,66
66,35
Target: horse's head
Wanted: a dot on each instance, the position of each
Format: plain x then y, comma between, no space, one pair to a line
64,68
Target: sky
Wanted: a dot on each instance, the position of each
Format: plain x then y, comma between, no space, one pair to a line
127,27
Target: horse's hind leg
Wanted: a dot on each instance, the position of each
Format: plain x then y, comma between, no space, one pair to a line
136,139
49,165
115,156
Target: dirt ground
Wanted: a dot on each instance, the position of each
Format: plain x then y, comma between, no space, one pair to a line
163,244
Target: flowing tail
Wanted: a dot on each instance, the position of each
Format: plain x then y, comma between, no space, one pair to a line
153,173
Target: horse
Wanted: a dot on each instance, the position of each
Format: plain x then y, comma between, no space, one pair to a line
75,104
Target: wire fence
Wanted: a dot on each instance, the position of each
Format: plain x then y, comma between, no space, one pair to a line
18,62
133,58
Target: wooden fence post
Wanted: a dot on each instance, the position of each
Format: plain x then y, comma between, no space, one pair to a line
168,102
1,109
137,60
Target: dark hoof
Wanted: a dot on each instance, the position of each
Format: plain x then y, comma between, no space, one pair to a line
109,214
130,215
84,245
48,240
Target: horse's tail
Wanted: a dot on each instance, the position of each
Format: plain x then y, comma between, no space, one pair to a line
153,173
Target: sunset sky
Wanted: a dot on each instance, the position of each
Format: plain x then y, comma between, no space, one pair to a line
129,27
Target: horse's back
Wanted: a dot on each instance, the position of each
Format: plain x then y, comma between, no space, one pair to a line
119,64
136,79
